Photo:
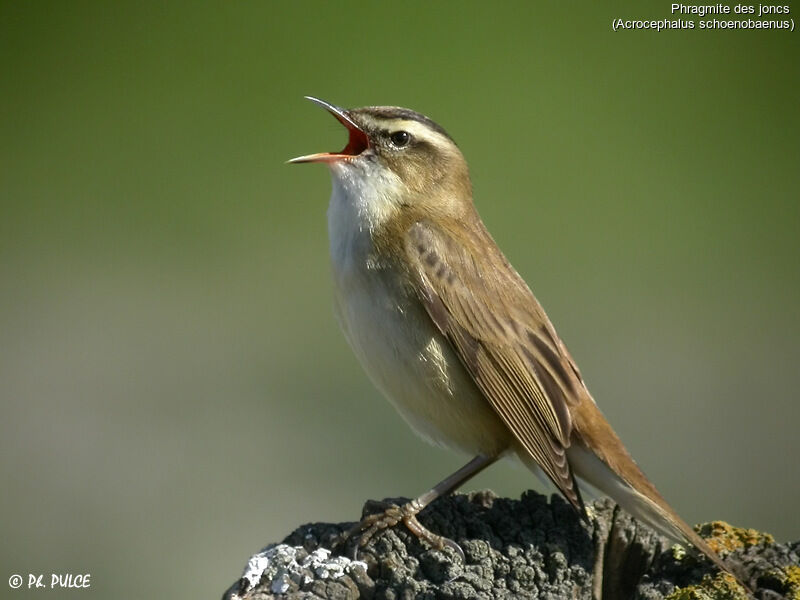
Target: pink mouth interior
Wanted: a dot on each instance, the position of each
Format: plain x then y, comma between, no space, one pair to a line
357,143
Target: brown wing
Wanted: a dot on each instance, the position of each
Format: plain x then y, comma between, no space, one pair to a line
502,337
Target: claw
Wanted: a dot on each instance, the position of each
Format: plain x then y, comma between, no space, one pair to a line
454,546
355,529
394,514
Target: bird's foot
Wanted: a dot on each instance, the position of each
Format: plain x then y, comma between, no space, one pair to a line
394,514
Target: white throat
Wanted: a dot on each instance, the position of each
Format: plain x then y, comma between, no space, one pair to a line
363,199
400,348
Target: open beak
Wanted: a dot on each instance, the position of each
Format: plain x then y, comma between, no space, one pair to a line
356,144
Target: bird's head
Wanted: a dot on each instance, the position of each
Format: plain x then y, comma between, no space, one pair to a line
398,156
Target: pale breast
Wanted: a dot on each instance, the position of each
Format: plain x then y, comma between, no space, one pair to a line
398,345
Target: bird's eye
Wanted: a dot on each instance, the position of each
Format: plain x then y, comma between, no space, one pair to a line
400,139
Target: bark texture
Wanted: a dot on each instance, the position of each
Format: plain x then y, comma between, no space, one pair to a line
529,548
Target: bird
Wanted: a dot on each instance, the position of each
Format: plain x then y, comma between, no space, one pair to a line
451,334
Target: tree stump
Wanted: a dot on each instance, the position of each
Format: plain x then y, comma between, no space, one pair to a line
529,548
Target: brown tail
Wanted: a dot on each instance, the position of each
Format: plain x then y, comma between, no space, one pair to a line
646,504
598,457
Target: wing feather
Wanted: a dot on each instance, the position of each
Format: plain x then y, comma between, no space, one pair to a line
502,337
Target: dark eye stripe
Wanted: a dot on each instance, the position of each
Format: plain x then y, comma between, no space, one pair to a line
394,112
416,141
400,139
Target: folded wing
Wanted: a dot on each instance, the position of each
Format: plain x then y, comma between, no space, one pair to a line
503,338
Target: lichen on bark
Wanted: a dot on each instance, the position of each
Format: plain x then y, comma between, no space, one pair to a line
529,548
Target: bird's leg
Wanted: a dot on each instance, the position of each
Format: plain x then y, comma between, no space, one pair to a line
407,513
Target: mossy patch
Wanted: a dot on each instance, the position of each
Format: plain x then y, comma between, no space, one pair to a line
793,577
793,582
724,538
785,581
720,587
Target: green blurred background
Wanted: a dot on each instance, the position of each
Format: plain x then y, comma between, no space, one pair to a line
175,391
